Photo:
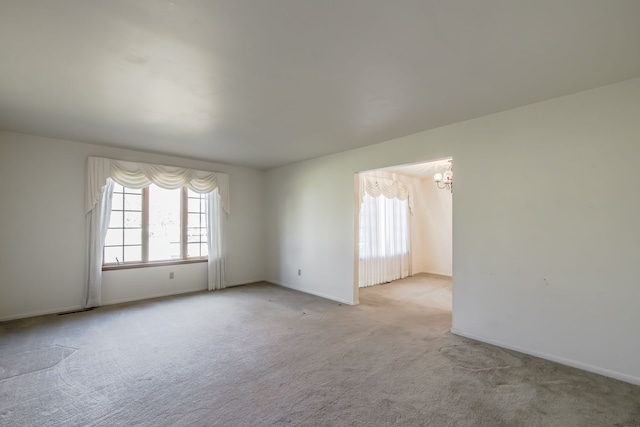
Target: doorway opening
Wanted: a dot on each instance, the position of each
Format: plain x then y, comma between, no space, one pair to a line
404,227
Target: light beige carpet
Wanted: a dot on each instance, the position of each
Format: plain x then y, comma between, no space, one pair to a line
261,355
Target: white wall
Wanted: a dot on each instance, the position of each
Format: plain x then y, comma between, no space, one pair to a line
42,228
419,235
431,229
546,235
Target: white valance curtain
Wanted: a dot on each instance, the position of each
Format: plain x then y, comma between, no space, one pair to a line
375,184
384,230
140,175
102,173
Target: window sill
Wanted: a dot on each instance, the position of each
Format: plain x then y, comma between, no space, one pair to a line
111,267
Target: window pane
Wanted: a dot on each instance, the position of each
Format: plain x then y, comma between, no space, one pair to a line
196,235
116,219
193,250
194,205
203,205
204,250
112,255
132,253
133,202
194,220
162,250
133,219
117,188
123,242
114,237
191,193
116,202
133,236
164,223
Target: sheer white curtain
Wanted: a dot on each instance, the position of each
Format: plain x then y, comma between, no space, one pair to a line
97,221
384,233
216,240
384,240
102,172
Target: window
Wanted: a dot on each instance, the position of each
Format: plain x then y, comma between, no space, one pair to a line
384,227
196,225
123,242
155,225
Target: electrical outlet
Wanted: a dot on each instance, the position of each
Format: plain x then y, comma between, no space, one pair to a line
299,272
171,275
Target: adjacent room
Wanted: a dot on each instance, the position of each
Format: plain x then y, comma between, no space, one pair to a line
403,220
250,213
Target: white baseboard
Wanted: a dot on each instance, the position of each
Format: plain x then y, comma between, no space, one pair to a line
171,293
105,303
563,361
160,295
318,294
252,282
40,313
446,276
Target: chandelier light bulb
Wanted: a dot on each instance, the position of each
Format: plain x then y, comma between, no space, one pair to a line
445,180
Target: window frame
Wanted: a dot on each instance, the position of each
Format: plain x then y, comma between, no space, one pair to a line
184,226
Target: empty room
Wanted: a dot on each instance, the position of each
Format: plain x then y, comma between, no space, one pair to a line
187,190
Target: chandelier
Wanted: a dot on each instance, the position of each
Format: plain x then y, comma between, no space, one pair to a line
445,180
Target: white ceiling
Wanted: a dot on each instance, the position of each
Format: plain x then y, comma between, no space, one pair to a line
264,83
